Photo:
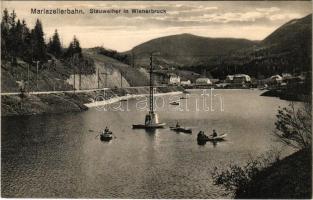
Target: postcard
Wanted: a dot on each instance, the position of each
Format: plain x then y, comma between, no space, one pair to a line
156,99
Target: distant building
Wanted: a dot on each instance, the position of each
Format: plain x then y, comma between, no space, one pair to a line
214,80
286,76
203,81
229,78
173,79
276,79
239,78
188,82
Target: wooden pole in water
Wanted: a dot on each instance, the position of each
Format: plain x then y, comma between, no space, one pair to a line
151,84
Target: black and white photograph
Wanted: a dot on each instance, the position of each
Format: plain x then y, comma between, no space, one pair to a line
156,99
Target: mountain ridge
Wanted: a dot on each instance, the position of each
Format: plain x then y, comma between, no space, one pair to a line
284,50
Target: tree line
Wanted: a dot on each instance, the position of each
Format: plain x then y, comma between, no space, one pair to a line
19,41
124,58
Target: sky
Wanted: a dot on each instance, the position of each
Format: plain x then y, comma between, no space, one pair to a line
252,20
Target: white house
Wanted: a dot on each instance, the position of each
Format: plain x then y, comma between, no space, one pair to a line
229,78
174,79
203,81
188,82
276,78
239,78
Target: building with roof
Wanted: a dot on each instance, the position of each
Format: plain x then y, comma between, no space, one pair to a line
203,81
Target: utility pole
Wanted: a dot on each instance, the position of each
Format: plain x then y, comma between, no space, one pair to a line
80,77
106,79
74,62
73,66
37,65
133,59
37,75
28,77
74,81
98,78
121,79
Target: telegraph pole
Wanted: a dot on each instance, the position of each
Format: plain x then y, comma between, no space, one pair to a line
28,77
80,77
121,79
37,65
106,79
133,59
37,75
98,78
74,71
74,81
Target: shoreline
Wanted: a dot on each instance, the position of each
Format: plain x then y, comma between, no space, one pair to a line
132,96
56,103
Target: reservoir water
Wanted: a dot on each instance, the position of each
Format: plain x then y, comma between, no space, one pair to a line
61,155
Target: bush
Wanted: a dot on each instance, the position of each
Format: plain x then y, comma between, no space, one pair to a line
294,126
238,178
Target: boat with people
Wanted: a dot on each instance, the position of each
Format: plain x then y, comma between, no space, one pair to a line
178,128
106,135
181,129
215,138
151,119
174,103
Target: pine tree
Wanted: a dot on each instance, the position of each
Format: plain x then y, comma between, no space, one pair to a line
55,45
12,18
74,54
39,49
74,48
26,47
18,39
4,34
12,43
49,44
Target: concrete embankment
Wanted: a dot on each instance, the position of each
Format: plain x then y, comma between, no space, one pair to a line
30,104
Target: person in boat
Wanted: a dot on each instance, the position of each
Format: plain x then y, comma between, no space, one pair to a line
106,130
147,120
214,134
177,125
201,135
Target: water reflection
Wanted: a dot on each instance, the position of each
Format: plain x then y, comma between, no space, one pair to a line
214,143
151,131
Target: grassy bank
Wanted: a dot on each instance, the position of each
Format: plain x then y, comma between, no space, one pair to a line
15,105
289,178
